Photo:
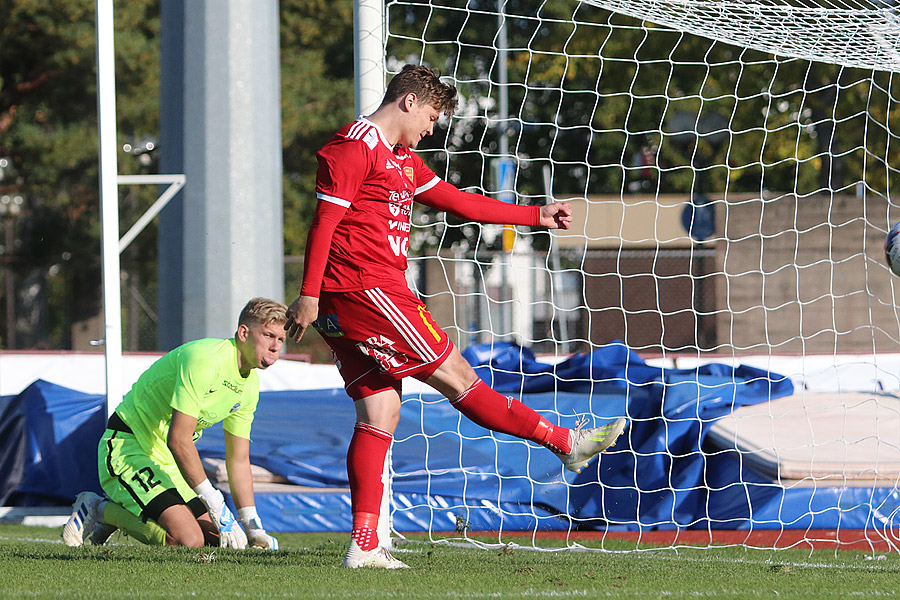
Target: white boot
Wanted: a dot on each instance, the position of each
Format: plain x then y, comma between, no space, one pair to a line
589,442
377,558
86,516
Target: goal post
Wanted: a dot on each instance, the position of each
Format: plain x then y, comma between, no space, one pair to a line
730,168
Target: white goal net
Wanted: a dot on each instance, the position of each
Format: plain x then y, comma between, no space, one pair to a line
730,166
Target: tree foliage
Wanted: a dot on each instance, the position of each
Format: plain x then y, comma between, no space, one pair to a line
589,92
317,99
48,132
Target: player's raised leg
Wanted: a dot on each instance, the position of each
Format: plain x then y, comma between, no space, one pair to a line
456,379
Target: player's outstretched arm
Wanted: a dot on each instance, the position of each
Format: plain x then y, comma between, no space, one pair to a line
556,215
467,205
483,209
240,479
180,441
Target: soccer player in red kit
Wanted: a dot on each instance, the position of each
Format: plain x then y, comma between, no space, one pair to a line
355,294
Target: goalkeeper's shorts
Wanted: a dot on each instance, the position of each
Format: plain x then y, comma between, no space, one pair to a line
142,484
379,336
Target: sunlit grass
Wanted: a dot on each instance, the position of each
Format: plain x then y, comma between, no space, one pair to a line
35,564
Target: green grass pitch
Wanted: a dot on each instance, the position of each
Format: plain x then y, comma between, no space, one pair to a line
35,564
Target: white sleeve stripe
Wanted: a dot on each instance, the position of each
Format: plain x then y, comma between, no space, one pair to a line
333,200
427,186
357,130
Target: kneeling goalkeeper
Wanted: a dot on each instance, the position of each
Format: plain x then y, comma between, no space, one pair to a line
149,466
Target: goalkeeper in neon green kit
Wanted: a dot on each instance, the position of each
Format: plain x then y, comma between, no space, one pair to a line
149,466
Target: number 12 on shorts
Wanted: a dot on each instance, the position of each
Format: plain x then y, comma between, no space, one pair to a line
145,478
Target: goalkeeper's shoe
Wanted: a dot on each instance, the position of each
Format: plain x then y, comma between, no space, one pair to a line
589,442
378,558
86,517
102,533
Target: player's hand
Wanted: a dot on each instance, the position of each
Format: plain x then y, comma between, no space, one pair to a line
302,311
256,535
258,538
557,215
230,533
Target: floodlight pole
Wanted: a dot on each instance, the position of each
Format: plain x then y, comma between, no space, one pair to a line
109,202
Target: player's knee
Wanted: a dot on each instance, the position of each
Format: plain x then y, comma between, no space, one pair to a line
191,537
460,366
453,377
391,421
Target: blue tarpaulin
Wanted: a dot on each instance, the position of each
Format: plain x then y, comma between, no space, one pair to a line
656,475
447,469
48,448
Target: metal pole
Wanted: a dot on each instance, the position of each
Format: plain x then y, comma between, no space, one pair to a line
503,116
556,265
109,202
176,182
10,287
368,50
503,73
369,72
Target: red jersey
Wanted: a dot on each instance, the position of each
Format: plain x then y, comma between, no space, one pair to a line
359,237
376,183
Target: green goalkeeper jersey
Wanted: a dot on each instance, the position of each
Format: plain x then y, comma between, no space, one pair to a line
200,379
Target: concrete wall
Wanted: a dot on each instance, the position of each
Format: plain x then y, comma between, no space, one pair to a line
806,275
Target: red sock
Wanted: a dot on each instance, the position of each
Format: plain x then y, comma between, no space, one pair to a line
365,465
494,411
365,530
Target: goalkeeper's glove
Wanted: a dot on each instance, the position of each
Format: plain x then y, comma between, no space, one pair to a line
256,535
230,533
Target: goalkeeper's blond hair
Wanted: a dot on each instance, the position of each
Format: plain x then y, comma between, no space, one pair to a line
260,311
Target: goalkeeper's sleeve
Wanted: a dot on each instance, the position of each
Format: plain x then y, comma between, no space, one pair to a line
230,533
256,535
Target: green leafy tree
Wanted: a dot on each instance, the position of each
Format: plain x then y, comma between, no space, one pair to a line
48,131
317,98
48,134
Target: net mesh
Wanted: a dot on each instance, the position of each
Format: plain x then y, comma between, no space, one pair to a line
730,168
853,34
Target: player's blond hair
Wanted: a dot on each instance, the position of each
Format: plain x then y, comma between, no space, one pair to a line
260,311
426,84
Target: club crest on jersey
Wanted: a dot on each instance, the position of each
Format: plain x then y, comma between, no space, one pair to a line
328,325
410,174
